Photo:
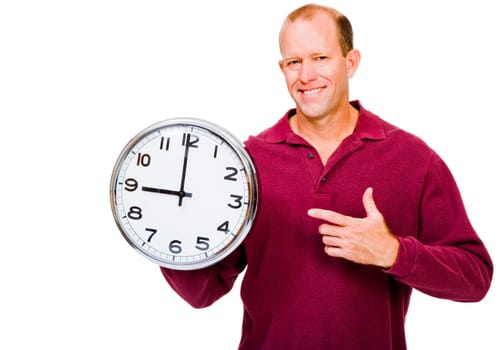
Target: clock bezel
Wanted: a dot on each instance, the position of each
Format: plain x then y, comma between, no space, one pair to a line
252,185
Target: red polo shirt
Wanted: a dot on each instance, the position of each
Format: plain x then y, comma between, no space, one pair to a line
297,297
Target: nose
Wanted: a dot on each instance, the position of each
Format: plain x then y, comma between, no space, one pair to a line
307,71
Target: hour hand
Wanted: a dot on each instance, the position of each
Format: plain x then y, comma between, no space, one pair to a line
180,194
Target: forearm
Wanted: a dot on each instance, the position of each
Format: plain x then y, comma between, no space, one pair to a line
201,288
460,273
445,257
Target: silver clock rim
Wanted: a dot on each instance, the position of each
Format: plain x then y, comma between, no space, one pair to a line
252,183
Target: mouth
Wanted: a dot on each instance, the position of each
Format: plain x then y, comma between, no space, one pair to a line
311,91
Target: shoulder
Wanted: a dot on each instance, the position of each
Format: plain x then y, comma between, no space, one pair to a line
393,142
277,133
372,127
402,137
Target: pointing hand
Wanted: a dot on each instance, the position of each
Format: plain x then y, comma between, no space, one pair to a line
361,240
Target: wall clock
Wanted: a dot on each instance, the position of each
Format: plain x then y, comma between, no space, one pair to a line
184,193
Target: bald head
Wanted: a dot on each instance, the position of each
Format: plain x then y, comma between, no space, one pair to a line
308,12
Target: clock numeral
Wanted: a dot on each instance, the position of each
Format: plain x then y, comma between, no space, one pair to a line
143,159
164,143
202,243
175,247
152,233
237,203
231,175
215,152
224,227
131,184
191,139
135,213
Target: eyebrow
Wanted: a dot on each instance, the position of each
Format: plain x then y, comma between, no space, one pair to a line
299,57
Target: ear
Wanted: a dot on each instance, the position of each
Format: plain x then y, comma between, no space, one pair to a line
281,65
352,62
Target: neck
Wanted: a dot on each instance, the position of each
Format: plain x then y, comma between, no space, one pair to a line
326,133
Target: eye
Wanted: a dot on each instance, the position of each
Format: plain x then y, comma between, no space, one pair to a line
292,62
320,58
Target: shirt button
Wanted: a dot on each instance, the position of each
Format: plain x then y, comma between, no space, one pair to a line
323,179
310,156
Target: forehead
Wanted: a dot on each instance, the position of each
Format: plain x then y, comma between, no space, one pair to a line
309,35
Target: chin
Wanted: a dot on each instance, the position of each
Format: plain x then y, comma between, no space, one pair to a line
311,113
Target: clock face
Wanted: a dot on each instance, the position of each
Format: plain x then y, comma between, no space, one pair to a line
183,193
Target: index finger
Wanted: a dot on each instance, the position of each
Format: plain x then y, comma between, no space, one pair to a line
329,216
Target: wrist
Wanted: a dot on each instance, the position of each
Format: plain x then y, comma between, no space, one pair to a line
391,253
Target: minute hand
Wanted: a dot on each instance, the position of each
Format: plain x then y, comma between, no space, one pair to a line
183,174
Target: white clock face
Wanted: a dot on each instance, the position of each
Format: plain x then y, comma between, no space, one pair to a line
184,193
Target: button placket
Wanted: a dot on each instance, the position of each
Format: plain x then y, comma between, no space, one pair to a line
314,167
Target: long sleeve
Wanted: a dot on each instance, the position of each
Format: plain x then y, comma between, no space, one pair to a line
201,288
296,296
447,259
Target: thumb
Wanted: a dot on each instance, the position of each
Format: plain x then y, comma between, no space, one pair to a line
369,203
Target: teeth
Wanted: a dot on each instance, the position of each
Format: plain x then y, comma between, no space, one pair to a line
311,92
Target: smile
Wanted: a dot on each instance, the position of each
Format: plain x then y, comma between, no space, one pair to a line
311,92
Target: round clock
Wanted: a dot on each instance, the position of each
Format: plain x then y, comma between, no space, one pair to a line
184,193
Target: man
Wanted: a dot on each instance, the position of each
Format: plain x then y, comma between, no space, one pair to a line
353,214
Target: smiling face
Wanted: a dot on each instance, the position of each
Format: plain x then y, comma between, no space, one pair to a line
314,66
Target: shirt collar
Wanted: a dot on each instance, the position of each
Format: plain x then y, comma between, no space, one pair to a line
369,126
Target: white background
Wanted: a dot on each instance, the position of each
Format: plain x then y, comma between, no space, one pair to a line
78,79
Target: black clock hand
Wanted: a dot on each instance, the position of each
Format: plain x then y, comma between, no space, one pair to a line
183,174
164,191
